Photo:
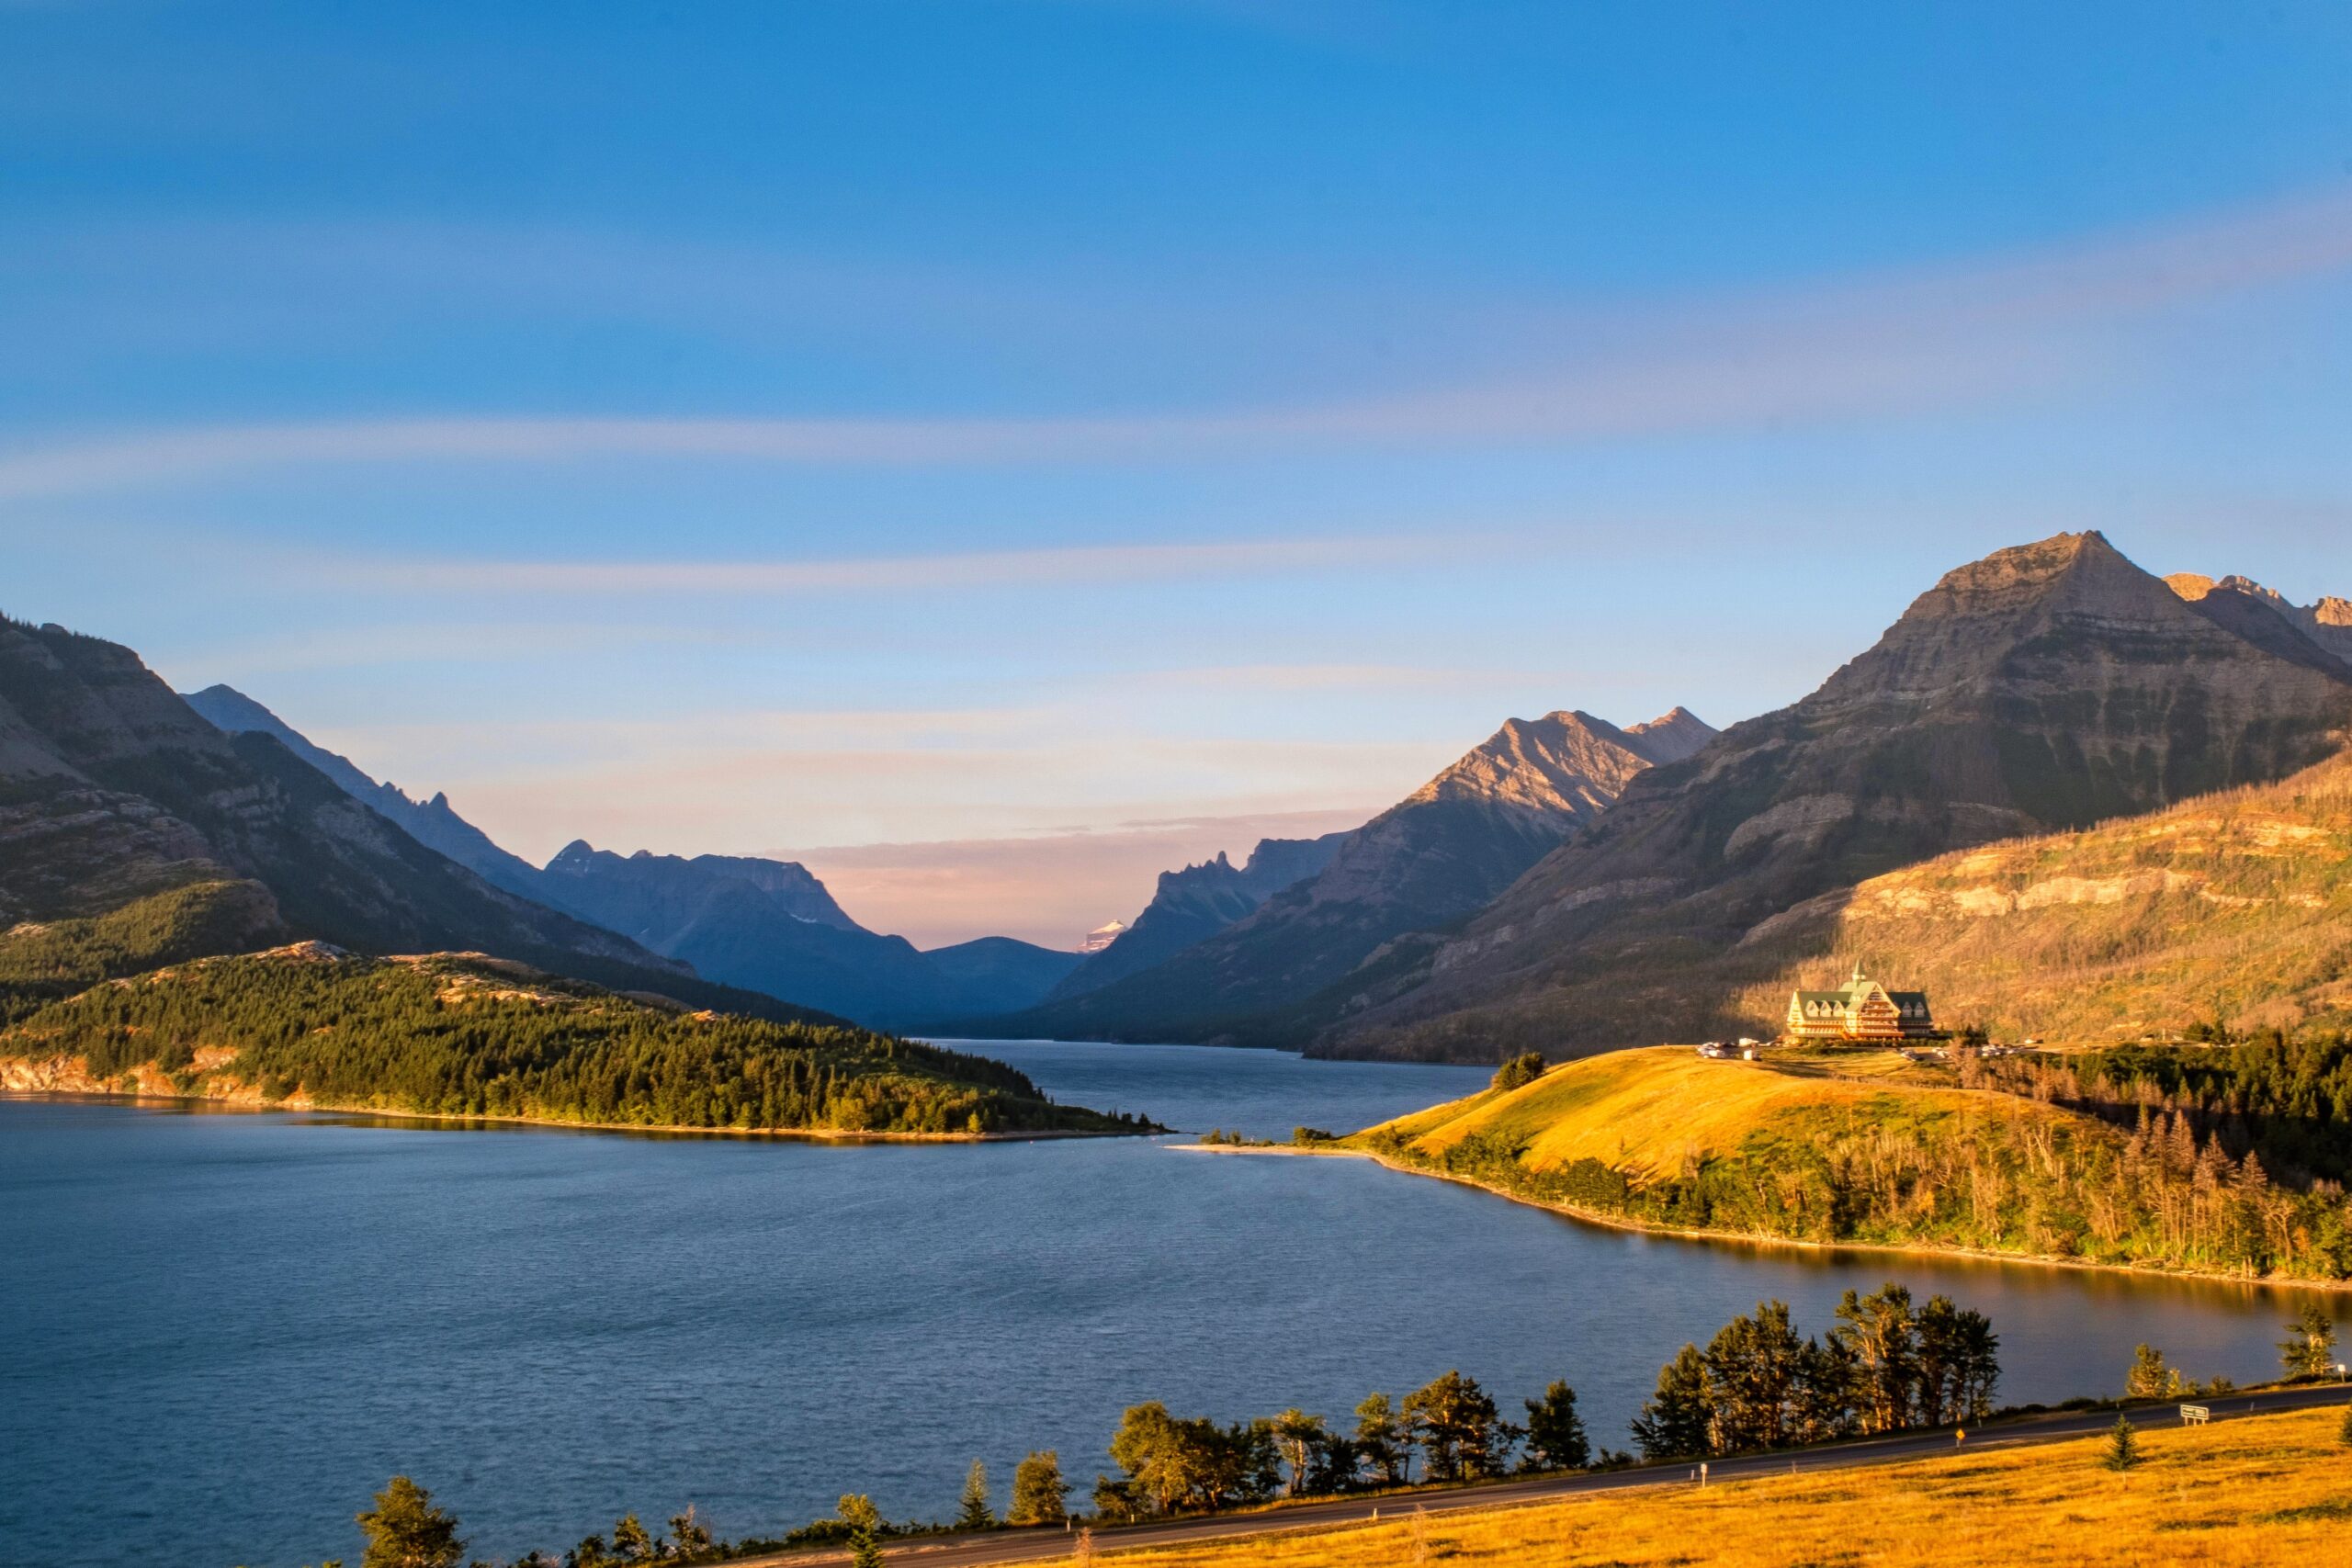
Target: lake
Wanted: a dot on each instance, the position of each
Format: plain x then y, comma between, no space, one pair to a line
225,1329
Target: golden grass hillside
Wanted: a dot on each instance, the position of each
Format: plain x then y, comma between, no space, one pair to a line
1658,1113
1867,1149
2263,1489
2237,905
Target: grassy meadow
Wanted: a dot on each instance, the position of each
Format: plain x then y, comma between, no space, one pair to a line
1867,1148
2261,1490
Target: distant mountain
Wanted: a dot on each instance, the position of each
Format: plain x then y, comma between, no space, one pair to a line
646,896
432,823
2051,686
1196,903
772,926
1000,973
1439,856
768,925
132,832
2328,624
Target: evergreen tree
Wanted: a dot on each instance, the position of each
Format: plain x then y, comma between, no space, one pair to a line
689,1538
1298,1437
1677,1421
2309,1349
2151,1377
1038,1490
2343,1433
1755,1369
973,1512
1517,1072
1383,1443
1880,1335
632,1543
1336,1464
865,1551
2123,1445
1455,1423
405,1531
1555,1434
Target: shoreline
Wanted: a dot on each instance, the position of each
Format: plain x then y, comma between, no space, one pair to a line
463,1121
1748,1239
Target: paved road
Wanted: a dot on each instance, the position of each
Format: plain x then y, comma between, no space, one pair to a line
1029,1546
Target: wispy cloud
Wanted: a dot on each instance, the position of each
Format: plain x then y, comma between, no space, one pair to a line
894,574
1926,337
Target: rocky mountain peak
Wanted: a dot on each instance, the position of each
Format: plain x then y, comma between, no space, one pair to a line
2247,607
1672,736
1565,763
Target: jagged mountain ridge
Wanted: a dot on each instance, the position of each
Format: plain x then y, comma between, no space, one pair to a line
736,919
130,819
1435,857
644,893
1195,903
2326,625
434,823
771,925
2048,686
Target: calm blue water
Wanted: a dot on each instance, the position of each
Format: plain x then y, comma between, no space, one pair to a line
224,1330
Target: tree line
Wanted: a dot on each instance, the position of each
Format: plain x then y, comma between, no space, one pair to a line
2286,1102
463,1037
1886,1365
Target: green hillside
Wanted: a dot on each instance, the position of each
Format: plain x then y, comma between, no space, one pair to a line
463,1035
1871,1149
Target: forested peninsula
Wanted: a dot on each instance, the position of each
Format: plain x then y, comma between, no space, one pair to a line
461,1035
2225,1161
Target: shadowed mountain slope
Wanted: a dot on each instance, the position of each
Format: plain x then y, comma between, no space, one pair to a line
764,924
432,823
772,926
1441,854
2049,687
132,830
1196,903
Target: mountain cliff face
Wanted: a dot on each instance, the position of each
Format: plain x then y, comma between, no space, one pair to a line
2231,909
130,827
1196,903
1438,855
2048,686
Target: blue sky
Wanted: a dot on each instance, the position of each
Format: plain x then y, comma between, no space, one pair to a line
995,450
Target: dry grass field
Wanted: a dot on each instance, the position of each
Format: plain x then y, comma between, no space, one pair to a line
1650,1113
2262,1490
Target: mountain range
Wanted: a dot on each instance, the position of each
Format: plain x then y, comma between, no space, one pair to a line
133,832
1435,857
2051,686
1565,887
765,925
1194,904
